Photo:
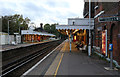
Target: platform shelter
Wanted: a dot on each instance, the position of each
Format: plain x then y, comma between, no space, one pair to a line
77,29
34,36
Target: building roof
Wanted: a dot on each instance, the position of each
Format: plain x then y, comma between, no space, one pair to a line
23,32
66,27
79,23
39,29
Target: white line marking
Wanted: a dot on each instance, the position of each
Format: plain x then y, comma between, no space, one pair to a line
20,65
40,61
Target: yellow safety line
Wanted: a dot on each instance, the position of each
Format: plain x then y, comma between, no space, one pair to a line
58,65
63,49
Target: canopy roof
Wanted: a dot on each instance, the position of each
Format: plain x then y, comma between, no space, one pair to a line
24,32
77,23
64,27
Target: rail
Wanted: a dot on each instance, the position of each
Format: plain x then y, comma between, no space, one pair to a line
12,66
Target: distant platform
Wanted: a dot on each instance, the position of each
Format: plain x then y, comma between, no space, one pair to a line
9,47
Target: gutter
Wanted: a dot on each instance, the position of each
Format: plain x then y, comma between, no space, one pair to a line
108,59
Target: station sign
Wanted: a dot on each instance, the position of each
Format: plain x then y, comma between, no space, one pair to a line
110,47
108,19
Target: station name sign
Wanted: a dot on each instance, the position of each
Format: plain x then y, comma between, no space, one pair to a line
108,19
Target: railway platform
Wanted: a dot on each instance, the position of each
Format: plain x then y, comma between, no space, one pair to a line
9,47
63,62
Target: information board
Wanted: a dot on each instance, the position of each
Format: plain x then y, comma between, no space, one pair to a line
104,42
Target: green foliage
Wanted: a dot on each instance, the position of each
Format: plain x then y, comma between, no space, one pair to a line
16,22
52,29
47,28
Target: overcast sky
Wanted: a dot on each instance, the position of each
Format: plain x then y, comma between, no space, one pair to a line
44,11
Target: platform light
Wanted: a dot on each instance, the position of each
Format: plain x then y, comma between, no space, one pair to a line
67,32
75,38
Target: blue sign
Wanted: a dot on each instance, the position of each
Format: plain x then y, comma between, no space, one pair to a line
110,47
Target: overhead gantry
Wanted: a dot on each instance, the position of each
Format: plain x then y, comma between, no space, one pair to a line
78,28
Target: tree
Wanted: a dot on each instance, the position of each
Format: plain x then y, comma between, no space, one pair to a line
25,23
16,22
52,29
47,27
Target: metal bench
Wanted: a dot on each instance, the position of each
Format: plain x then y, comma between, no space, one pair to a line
13,43
83,48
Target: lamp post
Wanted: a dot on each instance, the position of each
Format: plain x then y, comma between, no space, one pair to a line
89,46
8,33
19,27
70,40
1,23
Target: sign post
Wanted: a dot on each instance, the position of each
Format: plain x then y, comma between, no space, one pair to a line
111,58
111,55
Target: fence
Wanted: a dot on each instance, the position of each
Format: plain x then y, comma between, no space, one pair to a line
5,39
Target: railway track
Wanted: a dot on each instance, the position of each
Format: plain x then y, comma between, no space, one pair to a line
18,67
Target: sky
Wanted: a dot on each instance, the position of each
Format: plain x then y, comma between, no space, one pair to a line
43,11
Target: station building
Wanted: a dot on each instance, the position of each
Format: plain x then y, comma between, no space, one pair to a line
31,35
107,27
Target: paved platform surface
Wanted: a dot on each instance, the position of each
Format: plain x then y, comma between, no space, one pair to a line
9,47
63,62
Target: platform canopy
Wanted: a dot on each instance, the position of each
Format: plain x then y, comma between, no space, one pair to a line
69,27
26,32
77,23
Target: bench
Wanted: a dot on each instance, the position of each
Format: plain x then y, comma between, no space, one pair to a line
13,43
83,48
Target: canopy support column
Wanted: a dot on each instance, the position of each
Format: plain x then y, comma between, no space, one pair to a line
70,40
89,47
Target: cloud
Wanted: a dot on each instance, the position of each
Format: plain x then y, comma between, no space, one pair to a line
53,4
44,11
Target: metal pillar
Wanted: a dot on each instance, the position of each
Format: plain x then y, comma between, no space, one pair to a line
106,43
111,59
8,33
89,47
32,38
70,41
19,27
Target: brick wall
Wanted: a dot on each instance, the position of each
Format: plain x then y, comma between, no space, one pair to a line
86,10
110,9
